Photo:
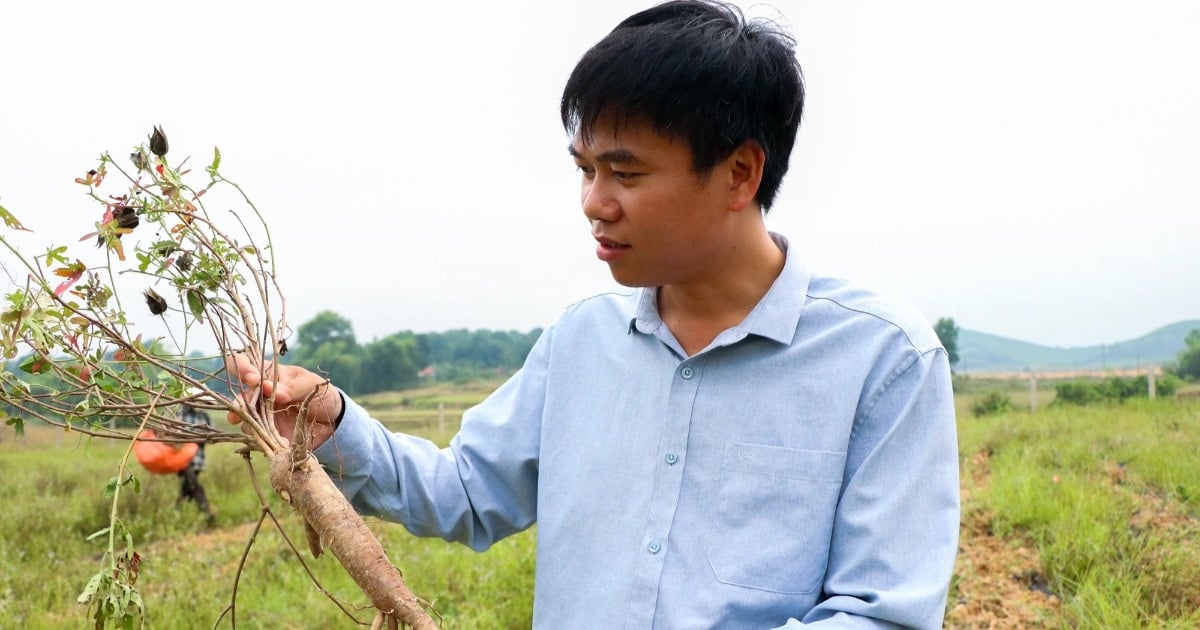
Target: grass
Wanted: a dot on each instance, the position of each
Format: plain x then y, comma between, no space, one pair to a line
434,412
1108,495
52,493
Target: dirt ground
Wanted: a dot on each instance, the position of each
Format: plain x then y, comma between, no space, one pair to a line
998,583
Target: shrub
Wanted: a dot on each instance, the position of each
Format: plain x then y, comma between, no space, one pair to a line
1078,392
1115,389
1166,385
992,402
1119,389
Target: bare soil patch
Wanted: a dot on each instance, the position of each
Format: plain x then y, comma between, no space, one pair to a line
998,582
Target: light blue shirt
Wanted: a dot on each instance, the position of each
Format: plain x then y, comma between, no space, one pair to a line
802,469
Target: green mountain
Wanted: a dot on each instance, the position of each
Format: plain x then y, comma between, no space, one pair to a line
980,352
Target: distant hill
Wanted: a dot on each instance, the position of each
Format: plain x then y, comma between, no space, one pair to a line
980,352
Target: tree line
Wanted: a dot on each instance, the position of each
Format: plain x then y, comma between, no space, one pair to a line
327,345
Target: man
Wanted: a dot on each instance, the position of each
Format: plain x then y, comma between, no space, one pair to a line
738,443
190,488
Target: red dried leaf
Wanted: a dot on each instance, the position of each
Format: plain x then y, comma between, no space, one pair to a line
72,273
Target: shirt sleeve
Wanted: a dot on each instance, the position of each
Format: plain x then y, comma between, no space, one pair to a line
896,528
478,490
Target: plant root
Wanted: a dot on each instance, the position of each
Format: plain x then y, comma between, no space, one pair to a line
335,524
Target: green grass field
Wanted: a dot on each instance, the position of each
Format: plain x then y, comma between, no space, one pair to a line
1108,495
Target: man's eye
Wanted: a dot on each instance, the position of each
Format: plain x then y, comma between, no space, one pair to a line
587,171
623,176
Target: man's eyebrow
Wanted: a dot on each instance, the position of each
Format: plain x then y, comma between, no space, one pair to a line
612,156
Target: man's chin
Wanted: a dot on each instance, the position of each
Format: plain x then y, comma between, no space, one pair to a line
630,280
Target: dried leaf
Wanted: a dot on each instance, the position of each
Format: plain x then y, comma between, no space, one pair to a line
72,273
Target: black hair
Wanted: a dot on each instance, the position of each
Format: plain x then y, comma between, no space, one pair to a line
696,71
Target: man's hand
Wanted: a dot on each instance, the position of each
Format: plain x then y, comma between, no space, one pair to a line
289,385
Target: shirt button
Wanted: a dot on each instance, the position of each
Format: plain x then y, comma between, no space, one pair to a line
687,373
672,458
654,546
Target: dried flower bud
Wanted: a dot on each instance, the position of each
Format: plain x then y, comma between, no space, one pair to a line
184,262
139,160
283,349
126,217
158,142
157,304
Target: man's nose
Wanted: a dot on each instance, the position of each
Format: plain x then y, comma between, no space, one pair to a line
598,202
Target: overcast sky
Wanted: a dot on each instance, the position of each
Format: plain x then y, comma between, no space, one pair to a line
1029,168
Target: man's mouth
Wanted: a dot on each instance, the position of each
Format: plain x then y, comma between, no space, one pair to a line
610,243
609,250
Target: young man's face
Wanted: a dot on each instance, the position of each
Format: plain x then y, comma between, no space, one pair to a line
656,221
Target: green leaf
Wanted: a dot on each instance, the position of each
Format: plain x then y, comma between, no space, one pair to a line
164,248
89,591
97,534
56,255
110,488
11,221
17,424
195,302
11,316
216,162
34,365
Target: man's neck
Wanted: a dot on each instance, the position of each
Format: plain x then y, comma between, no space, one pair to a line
696,312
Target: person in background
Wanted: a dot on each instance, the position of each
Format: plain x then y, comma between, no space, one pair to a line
739,441
190,488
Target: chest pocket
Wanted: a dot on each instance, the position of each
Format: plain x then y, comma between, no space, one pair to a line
773,518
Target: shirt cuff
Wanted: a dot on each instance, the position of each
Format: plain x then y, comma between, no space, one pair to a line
348,450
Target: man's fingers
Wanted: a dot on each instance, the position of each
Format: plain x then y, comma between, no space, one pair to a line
239,404
239,366
292,392
236,363
287,387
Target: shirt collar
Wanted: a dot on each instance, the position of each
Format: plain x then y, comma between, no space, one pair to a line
775,316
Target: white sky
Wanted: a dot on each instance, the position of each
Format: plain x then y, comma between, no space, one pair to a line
1028,168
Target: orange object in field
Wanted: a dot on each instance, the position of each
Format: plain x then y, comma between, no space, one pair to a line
160,457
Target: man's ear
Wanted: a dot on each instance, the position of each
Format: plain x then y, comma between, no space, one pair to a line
746,165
